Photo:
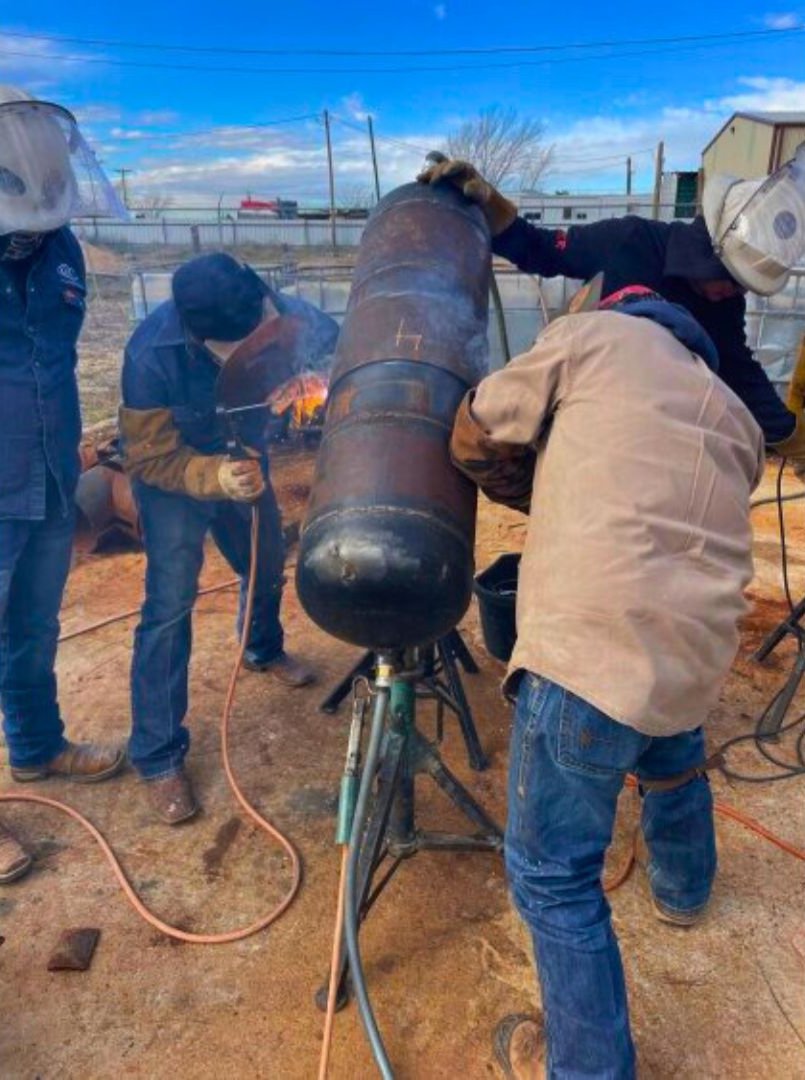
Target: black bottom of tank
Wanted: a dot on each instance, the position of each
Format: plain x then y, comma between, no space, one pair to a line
384,579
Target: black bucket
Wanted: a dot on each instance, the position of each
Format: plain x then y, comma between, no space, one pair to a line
496,589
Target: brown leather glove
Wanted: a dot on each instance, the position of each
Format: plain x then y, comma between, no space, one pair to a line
241,479
498,211
504,473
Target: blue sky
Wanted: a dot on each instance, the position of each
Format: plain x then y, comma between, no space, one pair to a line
186,133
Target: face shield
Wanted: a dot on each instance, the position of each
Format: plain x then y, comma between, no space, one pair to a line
758,227
48,173
255,366
265,333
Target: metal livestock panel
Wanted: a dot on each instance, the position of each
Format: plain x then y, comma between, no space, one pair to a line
774,325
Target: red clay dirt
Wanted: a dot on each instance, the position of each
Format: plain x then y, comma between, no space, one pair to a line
445,955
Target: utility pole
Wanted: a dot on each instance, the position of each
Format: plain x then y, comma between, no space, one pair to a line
374,157
659,165
628,176
124,191
332,179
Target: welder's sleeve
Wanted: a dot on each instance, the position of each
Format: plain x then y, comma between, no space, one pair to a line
580,251
746,377
498,426
154,453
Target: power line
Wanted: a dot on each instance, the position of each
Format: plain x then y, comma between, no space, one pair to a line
413,147
147,136
723,40
478,51
608,157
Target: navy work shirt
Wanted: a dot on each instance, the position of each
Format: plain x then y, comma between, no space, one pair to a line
42,302
634,251
163,369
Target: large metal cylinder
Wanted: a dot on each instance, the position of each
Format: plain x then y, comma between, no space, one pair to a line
386,554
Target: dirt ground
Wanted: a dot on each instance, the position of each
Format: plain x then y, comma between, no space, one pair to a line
444,952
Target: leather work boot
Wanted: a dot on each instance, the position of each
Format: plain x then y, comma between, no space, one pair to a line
14,859
664,914
285,669
85,763
172,797
519,1043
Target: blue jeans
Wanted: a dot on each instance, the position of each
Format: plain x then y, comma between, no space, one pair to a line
34,563
568,764
174,527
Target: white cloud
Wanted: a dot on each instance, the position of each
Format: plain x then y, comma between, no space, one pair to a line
590,153
96,114
236,160
354,107
782,20
127,134
440,11
37,65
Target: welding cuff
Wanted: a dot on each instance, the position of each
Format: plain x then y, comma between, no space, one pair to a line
155,453
503,471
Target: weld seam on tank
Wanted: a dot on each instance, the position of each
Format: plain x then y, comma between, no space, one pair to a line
403,511
410,419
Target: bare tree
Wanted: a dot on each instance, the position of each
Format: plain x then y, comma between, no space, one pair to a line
503,146
153,205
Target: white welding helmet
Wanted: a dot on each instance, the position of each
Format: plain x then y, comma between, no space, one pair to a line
48,173
758,226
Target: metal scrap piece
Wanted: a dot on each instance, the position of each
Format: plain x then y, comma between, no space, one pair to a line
74,950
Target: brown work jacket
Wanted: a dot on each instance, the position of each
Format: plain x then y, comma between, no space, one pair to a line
638,545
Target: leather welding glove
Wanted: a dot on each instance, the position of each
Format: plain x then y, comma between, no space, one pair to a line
498,211
241,479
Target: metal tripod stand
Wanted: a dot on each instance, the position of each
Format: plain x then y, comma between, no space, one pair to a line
770,724
385,830
440,681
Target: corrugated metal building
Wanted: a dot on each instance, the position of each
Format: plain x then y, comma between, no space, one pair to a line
754,144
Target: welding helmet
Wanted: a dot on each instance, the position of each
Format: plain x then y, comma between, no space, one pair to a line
221,301
48,173
758,226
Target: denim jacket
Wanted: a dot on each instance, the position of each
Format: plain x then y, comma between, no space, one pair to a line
40,422
168,415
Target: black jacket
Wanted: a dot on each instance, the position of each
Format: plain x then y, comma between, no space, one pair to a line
661,256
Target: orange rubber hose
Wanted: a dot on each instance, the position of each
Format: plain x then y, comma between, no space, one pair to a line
263,823
335,963
121,615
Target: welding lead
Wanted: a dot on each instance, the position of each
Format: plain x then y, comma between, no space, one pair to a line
352,769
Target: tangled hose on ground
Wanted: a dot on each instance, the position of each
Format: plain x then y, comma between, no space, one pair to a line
262,823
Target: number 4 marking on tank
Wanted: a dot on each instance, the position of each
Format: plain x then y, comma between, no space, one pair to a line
401,337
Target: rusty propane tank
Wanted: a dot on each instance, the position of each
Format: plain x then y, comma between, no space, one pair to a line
386,554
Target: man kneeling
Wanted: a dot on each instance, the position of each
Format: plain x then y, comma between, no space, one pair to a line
635,463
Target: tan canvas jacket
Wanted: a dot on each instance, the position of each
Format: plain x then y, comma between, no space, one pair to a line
639,545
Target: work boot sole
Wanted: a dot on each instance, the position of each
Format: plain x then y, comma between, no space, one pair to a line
167,820
272,672
502,1040
675,918
27,776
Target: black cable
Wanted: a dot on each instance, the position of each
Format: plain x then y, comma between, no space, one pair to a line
784,547
408,69
478,51
352,901
761,740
